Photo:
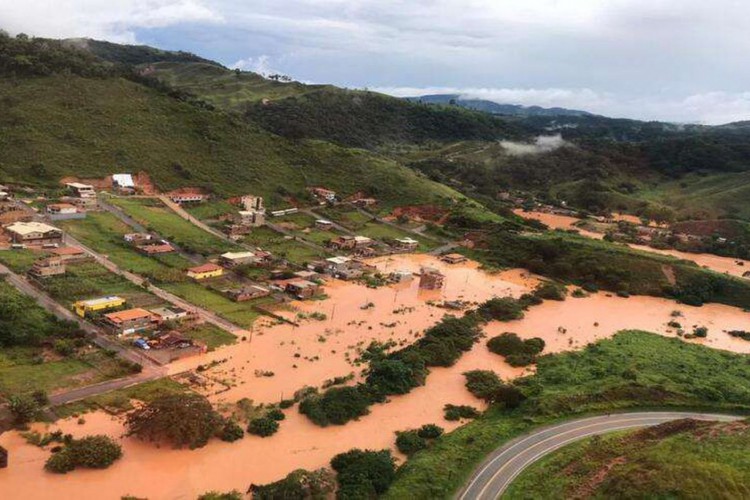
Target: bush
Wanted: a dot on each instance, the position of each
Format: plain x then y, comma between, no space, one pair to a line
336,406
394,376
430,431
700,332
550,291
215,495
276,414
263,426
363,473
181,419
231,432
24,408
483,384
93,452
299,484
457,412
501,309
510,396
517,352
410,442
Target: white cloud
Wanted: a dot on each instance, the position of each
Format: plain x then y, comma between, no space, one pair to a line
542,144
260,65
113,20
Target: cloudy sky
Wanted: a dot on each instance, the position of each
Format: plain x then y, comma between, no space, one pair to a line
677,60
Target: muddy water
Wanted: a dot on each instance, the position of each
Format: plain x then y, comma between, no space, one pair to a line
727,265
164,473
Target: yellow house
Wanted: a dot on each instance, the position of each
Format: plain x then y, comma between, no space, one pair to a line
102,303
205,271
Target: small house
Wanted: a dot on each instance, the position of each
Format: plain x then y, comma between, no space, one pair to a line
453,258
80,190
306,275
323,224
156,248
171,313
302,289
252,203
181,198
137,238
406,244
351,242
323,195
62,209
431,278
252,218
364,202
337,264
44,268
246,293
233,259
205,271
129,321
401,276
83,307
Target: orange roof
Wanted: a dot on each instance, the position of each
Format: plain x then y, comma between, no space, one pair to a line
205,268
61,205
67,251
129,315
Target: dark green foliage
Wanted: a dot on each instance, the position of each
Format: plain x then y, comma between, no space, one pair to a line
336,406
444,343
742,334
394,376
501,309
430,431
263,426
410,442
700,332
517,352
231,432
24,323
24,408
483,384
92,452
180,419
23,56
367,119
363,473
550,291
509,396
276,414
299,484
215,495
457,412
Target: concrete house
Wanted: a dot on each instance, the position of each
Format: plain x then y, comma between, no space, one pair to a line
171,313
431,278
233,259
337,264
406,244
205,271
302,289
351,242
454,258
70,254
130,321
323,195
44,268
62,208
34,233
83,307
252,203
252,218
246,293
180,198
323,224
80,190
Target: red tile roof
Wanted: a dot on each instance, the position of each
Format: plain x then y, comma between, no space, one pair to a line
128,315
205,268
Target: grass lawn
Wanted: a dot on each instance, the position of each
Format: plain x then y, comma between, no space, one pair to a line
279,246
156,216
384,232
675,460
104,233
240,313
211,209
120,400
211,335
20,261
631,370
90,280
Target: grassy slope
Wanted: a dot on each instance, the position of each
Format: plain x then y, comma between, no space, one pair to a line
67,125
631,370
677,460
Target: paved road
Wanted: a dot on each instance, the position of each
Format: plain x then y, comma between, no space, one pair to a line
497,472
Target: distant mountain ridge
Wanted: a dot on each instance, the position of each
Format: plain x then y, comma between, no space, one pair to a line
495,108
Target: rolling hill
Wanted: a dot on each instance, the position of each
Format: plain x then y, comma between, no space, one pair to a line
494,107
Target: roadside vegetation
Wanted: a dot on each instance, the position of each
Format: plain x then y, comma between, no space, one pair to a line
631,370
680,459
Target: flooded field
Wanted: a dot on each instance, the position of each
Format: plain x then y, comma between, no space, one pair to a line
327,348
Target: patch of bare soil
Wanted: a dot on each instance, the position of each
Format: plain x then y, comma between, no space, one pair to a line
669,274
589,485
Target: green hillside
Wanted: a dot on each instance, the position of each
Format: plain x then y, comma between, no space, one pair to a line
681,459
61,124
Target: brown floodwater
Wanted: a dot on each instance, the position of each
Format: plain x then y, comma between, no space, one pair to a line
399,313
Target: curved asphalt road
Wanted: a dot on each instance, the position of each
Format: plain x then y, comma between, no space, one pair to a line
497,472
